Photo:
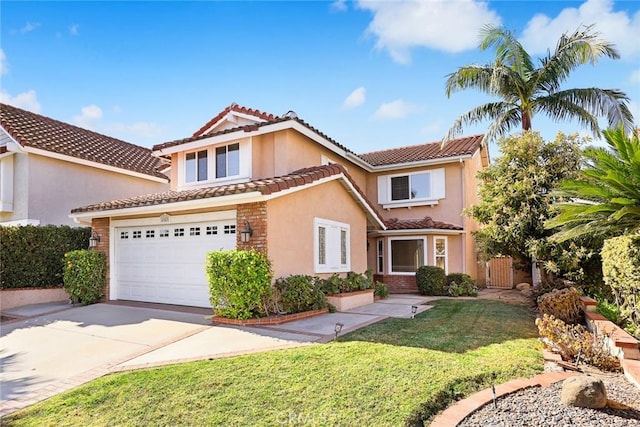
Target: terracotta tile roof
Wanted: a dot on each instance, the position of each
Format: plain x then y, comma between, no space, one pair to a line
251,128
239,109
36,131
416,153
419,224
264,186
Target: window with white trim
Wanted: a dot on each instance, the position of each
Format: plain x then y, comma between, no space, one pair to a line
407,255
380,255
196,166
228,161
332,248
440,252
411,189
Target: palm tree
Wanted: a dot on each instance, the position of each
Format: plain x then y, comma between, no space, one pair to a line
606,195
525,90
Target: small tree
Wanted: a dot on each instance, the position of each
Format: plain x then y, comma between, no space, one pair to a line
515,202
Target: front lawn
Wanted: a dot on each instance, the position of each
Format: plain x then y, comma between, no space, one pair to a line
384,375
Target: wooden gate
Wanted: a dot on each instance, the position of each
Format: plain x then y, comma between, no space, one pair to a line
500,273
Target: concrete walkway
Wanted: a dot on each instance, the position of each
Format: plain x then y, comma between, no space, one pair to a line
56,347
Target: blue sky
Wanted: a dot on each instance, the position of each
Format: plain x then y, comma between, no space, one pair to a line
369,74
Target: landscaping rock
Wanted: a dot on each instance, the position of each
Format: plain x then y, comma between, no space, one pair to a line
522,287
584,391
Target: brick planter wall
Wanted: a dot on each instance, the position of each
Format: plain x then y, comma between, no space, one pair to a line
398,284
265,321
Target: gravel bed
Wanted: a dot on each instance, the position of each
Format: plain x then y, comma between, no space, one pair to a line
539,406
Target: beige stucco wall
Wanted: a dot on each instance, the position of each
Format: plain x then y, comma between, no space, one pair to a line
56,187
472,166
291,233
447,209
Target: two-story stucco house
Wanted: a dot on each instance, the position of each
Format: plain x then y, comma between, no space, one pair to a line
48,167
248,179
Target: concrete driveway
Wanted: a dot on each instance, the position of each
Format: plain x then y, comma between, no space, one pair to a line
51,353
47,354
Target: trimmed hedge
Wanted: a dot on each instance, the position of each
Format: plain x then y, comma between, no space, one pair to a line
85,275
351,283
621,271
431,281
33,256
299,293
239,283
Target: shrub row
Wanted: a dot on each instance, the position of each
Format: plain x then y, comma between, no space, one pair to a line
432,280
621,271
240,286
33,256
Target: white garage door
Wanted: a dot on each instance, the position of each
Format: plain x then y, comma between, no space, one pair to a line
166,263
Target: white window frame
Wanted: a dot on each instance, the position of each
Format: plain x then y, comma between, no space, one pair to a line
197,166
226,159
446,252
244,166
380,256
390,254
436,190
6,183
333,246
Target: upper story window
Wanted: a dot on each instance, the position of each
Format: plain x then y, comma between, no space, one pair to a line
196,166
228,161
215,163
411,189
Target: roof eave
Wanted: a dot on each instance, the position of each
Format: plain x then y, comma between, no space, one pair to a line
429,162
414,231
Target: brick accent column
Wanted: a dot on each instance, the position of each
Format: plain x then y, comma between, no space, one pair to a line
100,226
256,215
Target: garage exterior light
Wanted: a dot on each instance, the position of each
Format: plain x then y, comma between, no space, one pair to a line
246,232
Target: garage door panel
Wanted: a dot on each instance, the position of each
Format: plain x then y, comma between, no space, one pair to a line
166,264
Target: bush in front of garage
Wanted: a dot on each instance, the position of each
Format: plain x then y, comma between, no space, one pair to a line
299,293
85,275
239,283
33,256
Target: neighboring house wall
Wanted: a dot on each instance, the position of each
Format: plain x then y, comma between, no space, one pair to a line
55,187
291,228
19,191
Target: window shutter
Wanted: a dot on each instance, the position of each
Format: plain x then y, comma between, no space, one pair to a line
437,184
383,197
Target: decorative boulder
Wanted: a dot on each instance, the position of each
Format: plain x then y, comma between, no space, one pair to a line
524,286
584,391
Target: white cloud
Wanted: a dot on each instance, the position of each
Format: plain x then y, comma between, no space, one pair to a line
90,115
73,30
338,6
355,99
543,32
450,26
138,129
29,26
634,78
4,68
27,100
394,110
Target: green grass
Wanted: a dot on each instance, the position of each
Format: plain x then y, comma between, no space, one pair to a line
388,374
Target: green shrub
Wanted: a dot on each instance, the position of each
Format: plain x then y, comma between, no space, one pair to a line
356,282
381,290
299,293
431,280
573,340
460,284
621,270
239,283
331,285
33,256
563,304
85,275
609,310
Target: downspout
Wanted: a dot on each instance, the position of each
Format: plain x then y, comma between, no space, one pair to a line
464,219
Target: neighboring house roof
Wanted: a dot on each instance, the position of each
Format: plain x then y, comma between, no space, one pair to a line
266,187
39,132
419,224
416,153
